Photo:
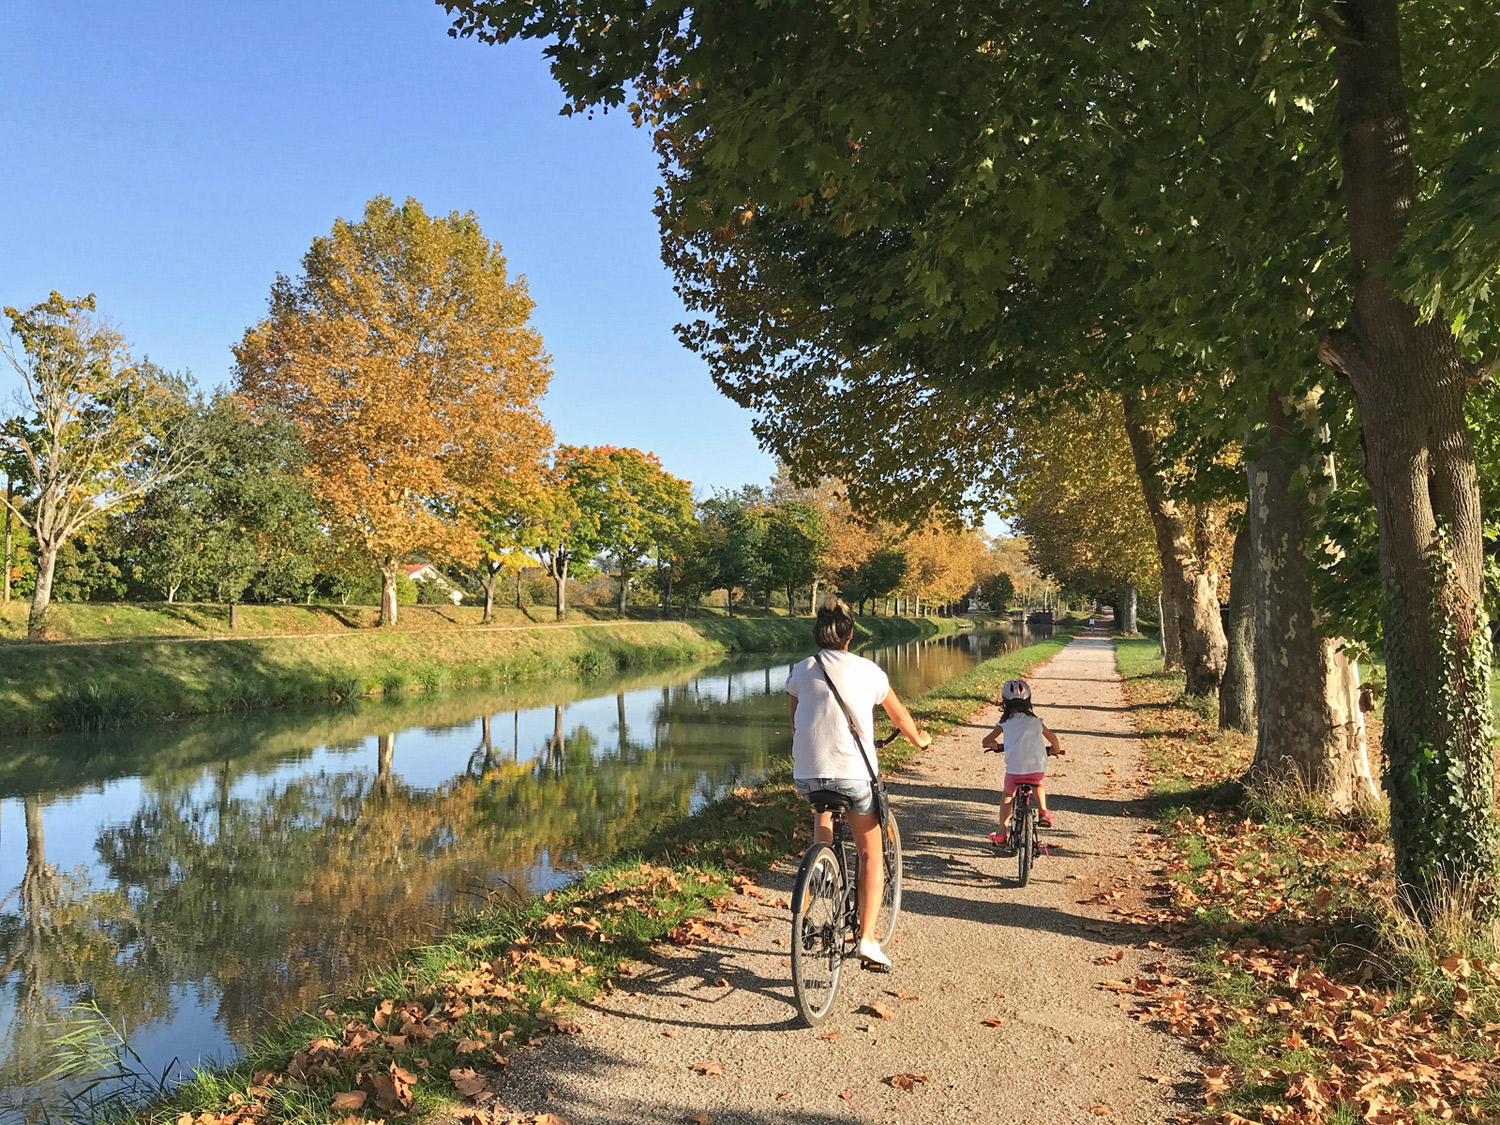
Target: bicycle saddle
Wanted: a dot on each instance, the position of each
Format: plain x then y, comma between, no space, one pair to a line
827,800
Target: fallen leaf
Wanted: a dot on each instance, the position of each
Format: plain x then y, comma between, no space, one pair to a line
907,1082
700,1119
878,1009
708,1069
349,1099
830,1036
846,1095
469,1083
991,1023
670,1033
1099,1110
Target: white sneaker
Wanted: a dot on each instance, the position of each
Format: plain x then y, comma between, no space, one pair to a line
870,951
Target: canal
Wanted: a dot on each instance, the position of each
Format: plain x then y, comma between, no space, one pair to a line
193,884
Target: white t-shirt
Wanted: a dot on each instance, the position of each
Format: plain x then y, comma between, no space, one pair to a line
1025,748
822,745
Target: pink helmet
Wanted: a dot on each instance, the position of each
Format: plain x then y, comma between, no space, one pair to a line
1015,689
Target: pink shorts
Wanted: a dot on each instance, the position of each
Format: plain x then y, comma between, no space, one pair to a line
1014,779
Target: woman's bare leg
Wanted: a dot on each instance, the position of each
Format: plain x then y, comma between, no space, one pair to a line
866,829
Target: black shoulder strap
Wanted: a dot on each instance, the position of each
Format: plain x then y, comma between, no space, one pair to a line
848,714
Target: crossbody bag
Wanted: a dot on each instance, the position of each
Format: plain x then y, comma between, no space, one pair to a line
877,786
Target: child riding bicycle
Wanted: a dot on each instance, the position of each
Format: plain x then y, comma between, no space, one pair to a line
1027,743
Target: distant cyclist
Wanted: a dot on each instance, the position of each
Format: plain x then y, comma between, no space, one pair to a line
1027,743
824,755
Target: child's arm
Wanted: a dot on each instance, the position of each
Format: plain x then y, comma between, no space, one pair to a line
1054,745
993,740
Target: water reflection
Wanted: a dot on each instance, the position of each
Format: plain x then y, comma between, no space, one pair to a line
199,882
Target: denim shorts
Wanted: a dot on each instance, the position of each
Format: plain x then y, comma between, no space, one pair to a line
856,789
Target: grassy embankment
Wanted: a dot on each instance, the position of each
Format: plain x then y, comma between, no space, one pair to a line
87,686
1313,999
429,1035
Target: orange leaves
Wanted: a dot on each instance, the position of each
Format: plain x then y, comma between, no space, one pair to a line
879,1010
349,1100
406,358
707,1069
907,1082
470,1084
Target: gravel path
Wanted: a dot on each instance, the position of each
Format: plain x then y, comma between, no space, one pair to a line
972,947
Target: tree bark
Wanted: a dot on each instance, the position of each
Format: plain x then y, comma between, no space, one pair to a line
388,592
10,498
234,615
41,597
1237,691
1188,581
812,602
624,589
1411,382
1309,728
487,584
1128,600
559,568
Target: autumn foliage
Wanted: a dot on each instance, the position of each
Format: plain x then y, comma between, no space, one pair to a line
406,356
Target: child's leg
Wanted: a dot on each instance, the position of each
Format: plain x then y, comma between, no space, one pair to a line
1005,806
1041,797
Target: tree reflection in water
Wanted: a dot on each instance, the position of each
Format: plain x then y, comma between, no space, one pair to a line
265,864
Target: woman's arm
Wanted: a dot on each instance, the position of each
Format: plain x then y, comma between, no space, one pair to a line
794,714
904,722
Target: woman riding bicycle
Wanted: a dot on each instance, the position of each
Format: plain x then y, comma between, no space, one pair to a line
824,754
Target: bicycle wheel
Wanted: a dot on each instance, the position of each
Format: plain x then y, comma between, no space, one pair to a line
1025,833
817,933
890,900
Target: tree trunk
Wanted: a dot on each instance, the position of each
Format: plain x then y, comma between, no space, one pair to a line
1309,729
234,615
560,582
1237,691
10,497
1411,382
1127,622
624,589
41,597
172,593
388,592
813,601
487,584
1188,582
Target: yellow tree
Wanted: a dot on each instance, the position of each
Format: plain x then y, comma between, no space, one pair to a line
406,355
944,563
1076,497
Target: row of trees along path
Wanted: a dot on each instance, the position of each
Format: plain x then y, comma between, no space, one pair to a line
994,997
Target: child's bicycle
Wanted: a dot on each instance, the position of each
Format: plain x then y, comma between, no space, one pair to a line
1025,831
825,911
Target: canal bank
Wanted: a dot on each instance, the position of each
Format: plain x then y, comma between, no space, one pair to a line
90,686
627,774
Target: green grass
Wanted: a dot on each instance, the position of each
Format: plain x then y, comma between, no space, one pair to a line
98,686
556,952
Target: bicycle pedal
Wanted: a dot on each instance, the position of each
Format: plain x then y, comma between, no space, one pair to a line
871,967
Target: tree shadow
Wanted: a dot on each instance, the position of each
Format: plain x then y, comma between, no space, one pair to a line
587,1082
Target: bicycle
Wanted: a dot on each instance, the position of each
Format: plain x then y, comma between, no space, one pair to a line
1026,831
825,912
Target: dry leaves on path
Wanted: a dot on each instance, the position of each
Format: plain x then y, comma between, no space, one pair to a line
907,1082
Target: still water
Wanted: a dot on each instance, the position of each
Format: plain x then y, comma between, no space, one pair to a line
200,881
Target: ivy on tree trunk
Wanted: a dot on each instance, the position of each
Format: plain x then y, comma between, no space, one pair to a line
1411,382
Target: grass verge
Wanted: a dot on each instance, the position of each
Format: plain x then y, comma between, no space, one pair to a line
99,686
1313,999
430,1035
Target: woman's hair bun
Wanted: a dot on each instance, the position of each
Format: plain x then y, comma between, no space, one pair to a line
835,624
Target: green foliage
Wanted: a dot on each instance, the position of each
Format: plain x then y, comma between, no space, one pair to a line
876,577
88,568
999,592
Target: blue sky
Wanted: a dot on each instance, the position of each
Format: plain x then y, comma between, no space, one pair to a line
172,157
